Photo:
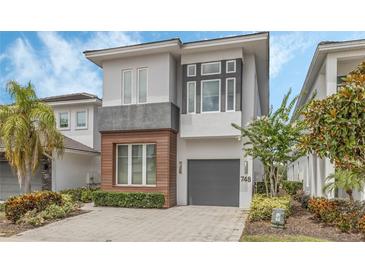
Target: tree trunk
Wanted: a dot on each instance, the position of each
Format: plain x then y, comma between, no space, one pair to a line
266,182
28,177
272,182
349,192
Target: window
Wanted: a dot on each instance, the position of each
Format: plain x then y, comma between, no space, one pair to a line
340,80
136,164
230,94
191,70
142,85
231,66
191,91
81,119
210,95
127,87
64,121
211,68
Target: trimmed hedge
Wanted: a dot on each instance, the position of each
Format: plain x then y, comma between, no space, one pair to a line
82,194
291,187
129,199
262,206
16,207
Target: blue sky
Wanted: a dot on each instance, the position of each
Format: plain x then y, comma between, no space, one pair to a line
54,62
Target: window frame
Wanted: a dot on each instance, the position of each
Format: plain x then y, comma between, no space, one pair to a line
144,165
86,119
123,97
68,120
187,97
234,94
187,70
202,97
137,84
235,66
210,63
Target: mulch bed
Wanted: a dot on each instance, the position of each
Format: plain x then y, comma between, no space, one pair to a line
301,222
8,229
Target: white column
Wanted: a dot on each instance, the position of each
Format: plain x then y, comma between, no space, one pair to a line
329,169
311,175
319,179
246,179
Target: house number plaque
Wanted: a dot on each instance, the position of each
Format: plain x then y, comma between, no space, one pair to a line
246,179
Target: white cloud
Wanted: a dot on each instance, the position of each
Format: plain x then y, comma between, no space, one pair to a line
59,66
284,47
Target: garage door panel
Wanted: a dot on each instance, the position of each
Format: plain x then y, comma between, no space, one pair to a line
213,182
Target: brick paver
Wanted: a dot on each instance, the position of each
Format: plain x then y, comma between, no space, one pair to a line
181,223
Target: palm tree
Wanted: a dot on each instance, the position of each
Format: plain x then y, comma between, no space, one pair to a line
346,180
28,131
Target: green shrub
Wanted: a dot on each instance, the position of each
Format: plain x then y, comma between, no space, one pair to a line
129,199
16,207
82,194
260,187
291,187
32,218
2,207
53,212
86,196
262,206
68,204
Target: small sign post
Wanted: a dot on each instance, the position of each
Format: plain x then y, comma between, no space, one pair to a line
278,218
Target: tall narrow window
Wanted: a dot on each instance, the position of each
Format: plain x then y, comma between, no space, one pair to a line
230,93
191,90
231,66
81,119
122,165
210,95
136,164
191,70
127,87
64,122
142,85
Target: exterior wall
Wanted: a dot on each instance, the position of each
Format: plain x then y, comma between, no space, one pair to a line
73,170
165,141
160,78
88,136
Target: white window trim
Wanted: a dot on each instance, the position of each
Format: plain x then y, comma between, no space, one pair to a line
201,96
124,71
187,70
187,97
234,94
59,120
137,99
144,165
86,118
210,63
231,61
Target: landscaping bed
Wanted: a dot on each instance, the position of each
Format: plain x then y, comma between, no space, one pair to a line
300,223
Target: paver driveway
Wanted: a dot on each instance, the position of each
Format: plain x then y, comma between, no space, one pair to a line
181,223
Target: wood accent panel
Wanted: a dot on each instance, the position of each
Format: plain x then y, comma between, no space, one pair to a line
165,141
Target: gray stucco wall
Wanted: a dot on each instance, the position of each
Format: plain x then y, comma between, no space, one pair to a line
139,117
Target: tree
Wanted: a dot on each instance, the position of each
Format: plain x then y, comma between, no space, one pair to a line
336,124
28,131
273,139
346,180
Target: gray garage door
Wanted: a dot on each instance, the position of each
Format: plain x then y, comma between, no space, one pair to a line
213,182
9,183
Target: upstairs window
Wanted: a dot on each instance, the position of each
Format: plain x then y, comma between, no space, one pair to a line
142,85
210,101
191,92
191,70
81,119
231,66
211,68
64,120
230,94
127,87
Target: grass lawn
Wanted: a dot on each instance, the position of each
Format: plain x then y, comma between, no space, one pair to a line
279,238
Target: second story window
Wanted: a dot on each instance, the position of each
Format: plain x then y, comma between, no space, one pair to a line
191,93
191,70
231,66
211,68
230,94
210,98
81,119
64,120
127,87
142,85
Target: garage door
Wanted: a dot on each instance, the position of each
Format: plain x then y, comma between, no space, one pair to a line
9,183
213,182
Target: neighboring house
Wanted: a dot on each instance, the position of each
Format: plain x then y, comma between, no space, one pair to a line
80,164
165,120
331,61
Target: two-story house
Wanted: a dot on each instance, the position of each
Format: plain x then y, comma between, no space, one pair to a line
79,165
331,62
166,115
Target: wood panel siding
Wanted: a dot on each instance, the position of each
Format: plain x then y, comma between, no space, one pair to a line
165,141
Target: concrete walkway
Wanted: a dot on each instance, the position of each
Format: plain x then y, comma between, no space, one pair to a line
181,223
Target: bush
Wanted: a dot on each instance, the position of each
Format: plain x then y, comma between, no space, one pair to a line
82,194
291,187
31,218
2,207
18,206
68,204
53,212
304,200
361,225
129,199
262,206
